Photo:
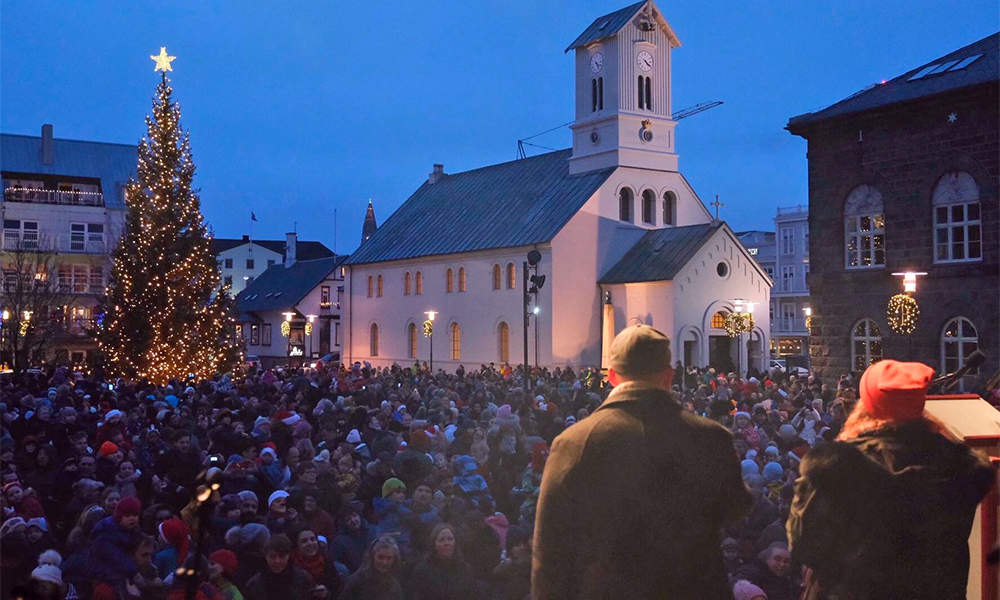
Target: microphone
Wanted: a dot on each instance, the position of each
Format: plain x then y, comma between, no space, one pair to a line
972,362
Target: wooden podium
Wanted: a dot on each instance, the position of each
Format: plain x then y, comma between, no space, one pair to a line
977,423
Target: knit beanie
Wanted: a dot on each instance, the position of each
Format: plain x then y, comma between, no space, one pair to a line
772,472
225,559
176,533
353,437
391,485
50,557
744,590
895,390
749,467
128,507
274,496
49,573
108,448
420,440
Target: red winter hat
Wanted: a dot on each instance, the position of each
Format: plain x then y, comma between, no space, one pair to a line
176,533
895,390
108,448
227,560
129,506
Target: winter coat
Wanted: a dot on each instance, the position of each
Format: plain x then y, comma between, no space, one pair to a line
434,579
109,559
632,500
369,585
887,514
350,546
300,589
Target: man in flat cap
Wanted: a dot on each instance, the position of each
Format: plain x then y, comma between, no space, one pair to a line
634,497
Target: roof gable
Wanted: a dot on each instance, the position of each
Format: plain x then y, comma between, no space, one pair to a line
281,288
909,86
112,164
611,23
518,203
660,254
303,250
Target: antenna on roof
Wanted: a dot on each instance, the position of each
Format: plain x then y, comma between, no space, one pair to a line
524,142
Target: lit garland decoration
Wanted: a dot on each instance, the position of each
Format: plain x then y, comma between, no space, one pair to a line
163,316
309,328
428,328
902,314
286,328
737,323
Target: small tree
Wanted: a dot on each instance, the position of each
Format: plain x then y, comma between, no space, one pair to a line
31,302
164,317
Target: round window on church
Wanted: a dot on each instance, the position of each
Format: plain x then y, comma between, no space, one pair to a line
722,269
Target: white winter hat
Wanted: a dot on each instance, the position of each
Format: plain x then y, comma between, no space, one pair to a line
353,437
50,573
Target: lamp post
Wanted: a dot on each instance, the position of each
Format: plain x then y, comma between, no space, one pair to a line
312,329
429,332
744,323
903,310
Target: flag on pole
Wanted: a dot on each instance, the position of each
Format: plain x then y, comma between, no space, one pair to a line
253,217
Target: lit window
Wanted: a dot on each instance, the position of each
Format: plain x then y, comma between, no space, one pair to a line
456,341
461,279
420,283
449,282
503,336
864,228
957,220
411,336
381,287
374,340
406,284
511,276
497,277
866,345
719,320
370,286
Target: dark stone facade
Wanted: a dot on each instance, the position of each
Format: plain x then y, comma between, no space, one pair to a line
903,150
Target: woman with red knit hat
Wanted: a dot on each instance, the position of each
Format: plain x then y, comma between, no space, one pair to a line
886,511
176,535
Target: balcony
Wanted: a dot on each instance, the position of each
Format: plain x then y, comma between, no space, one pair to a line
793,211
68,243
66,198
789,326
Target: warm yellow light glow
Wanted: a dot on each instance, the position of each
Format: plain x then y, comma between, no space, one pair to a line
289,315
430,314
163,61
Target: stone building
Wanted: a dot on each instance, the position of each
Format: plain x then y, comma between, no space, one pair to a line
903,176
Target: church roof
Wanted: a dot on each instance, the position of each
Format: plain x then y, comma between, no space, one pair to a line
974,64
611,23
280,287
370,225
660,254
511,204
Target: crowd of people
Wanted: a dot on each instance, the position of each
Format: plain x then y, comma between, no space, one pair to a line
349,482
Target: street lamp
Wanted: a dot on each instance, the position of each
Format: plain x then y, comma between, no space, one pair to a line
429,333
903,310
742,323
309,331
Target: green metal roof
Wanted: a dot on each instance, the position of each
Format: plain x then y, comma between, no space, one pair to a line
660,254
281,288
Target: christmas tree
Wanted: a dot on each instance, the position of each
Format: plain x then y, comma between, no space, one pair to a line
164,314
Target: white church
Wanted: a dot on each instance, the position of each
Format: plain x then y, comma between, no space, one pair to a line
623,238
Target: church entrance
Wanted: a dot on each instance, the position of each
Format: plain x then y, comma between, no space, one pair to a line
720,353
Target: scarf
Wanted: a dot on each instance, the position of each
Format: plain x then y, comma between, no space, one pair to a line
315,566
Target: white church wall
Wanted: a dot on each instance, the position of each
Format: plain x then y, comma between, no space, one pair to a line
478,311
646,303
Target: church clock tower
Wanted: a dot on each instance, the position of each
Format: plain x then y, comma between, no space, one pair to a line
623,92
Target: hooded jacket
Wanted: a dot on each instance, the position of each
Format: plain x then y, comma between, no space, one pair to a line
632,500
887,515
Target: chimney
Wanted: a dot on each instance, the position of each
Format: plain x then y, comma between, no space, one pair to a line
437,174
291,239
246,238
48,148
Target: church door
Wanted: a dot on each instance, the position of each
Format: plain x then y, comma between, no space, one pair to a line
720,350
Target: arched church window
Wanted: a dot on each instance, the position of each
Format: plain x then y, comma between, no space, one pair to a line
669,206
371,286
503,336
380,288
866,344
719,320
461,279
642,96
625,197
406,284
593,95
957,223
411,336
420,283
449,282
648,207
511,276
600,93
497,277
649,94
456,341
373,341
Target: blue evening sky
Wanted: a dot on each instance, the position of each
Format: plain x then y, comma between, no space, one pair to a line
296,108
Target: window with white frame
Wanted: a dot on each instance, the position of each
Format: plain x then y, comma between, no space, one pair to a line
265,334
866,344
788,315
959,339
957,224
254,334
805,276
769,269
787,278
864,228
788,240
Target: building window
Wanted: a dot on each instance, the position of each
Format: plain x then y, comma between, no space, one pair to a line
788,240
228,280
625,197
420,283
649,94
456,341
228,263
449,281
270,262
645,93
250,264
336,333
255,335
719,320
769,269
381,286
788,316
406,284
324,296
959,339
600,93
864,228
503,336
373,349
593,95
249,279
461,279
669,206
411,336
497,277
866,345
787,279
370,286
805,276
511,276
957,224
265,334
648,204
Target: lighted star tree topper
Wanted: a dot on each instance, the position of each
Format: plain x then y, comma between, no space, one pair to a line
164,316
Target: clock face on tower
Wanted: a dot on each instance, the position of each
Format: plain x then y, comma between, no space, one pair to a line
644,60
596,63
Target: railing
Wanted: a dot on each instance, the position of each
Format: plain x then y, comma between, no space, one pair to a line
329,305
789,325
69,198
793,210
71,243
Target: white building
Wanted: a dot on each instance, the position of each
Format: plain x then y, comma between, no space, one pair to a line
790,295
612,214
291,312
243,260
67,198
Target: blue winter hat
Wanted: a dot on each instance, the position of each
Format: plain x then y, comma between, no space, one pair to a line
773,472
171,400
749,467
